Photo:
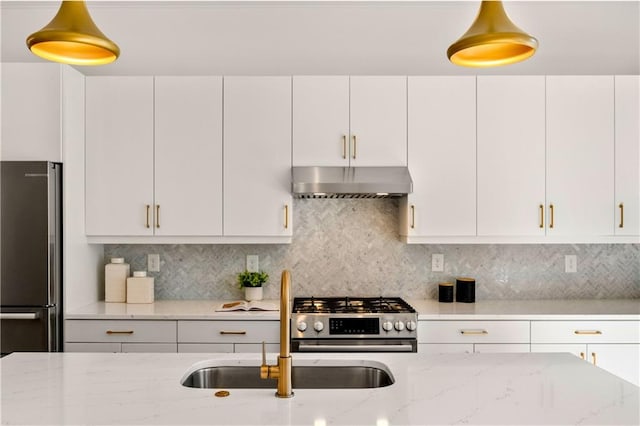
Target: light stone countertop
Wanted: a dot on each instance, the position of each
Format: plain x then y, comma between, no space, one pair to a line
136,389
428,309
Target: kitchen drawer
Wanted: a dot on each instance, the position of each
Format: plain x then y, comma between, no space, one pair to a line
140,331
585,332
228,331
150,347
473,332
93,347
445,348
226,348
501,348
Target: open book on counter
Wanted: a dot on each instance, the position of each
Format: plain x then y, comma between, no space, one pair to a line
243,305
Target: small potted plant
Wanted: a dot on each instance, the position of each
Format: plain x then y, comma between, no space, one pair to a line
252,284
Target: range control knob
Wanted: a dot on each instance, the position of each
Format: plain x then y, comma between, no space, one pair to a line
411,325
302,326
387,326
318,326
399,325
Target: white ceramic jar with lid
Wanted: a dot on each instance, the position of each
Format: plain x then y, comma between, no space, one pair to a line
140,288
115,280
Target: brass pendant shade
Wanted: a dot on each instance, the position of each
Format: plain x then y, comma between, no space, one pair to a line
492,40
73,38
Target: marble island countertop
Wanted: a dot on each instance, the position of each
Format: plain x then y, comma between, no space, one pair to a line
428,309
118,388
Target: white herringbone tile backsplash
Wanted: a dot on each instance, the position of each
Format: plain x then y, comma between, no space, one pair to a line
352,248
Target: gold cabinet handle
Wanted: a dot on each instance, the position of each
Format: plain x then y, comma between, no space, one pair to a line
413,216
355,146
581,355
157,215
621,206
593,357
551,221
473,332
590,332
236,332
344,146
148,210
286,216
541,216
119,331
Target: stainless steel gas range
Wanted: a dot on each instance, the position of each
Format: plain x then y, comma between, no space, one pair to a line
353,324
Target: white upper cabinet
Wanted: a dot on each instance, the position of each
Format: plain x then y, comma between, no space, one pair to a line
321,121
378,121
349,121
153,156
188,156
257,156
119,156
580,155
31,112
442,158
627,155
511,155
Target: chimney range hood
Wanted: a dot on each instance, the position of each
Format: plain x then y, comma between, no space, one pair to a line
350,182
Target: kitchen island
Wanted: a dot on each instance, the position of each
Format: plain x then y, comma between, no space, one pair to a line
121,388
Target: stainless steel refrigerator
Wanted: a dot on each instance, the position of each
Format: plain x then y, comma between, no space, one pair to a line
30,256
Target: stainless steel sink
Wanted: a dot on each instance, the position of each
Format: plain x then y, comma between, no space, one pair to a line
303,377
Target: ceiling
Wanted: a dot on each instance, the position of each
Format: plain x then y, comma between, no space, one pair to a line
334,37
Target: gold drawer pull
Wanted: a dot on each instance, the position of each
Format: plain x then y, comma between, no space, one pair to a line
541,216
238,332
344,146
593,356
158,216
621,216
581,355
286,216
474,332
148,208
413,216
119,332
551,210
587,332
355,146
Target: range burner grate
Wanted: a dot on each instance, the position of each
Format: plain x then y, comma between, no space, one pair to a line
351,305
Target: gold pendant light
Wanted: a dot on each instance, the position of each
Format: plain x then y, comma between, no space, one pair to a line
492,40
73,38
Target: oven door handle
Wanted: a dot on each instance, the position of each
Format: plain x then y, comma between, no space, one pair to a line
354,348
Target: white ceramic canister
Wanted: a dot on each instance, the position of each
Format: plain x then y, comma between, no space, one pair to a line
140,288
115,280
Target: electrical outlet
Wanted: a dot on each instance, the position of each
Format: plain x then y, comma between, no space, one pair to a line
253,264
437,262
571,263
153,263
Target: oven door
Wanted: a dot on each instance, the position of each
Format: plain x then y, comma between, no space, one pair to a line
354,345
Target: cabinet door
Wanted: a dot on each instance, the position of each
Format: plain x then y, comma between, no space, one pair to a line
150,347
511,155
378,121
627,155
257,156
188,156
579,350
501,348
442,156
320,120
119,155
31,112
621,360
580,153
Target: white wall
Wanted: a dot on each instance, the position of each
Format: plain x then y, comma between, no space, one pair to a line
31,112
82,262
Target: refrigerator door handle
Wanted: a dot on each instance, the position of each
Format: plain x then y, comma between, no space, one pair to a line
18,316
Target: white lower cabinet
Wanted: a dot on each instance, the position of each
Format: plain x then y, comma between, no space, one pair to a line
611,345
120,336
228,336
473,336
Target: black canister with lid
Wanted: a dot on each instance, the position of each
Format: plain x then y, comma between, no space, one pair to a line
465,290
445,292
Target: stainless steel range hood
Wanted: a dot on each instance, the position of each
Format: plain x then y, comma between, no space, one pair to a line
350,182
